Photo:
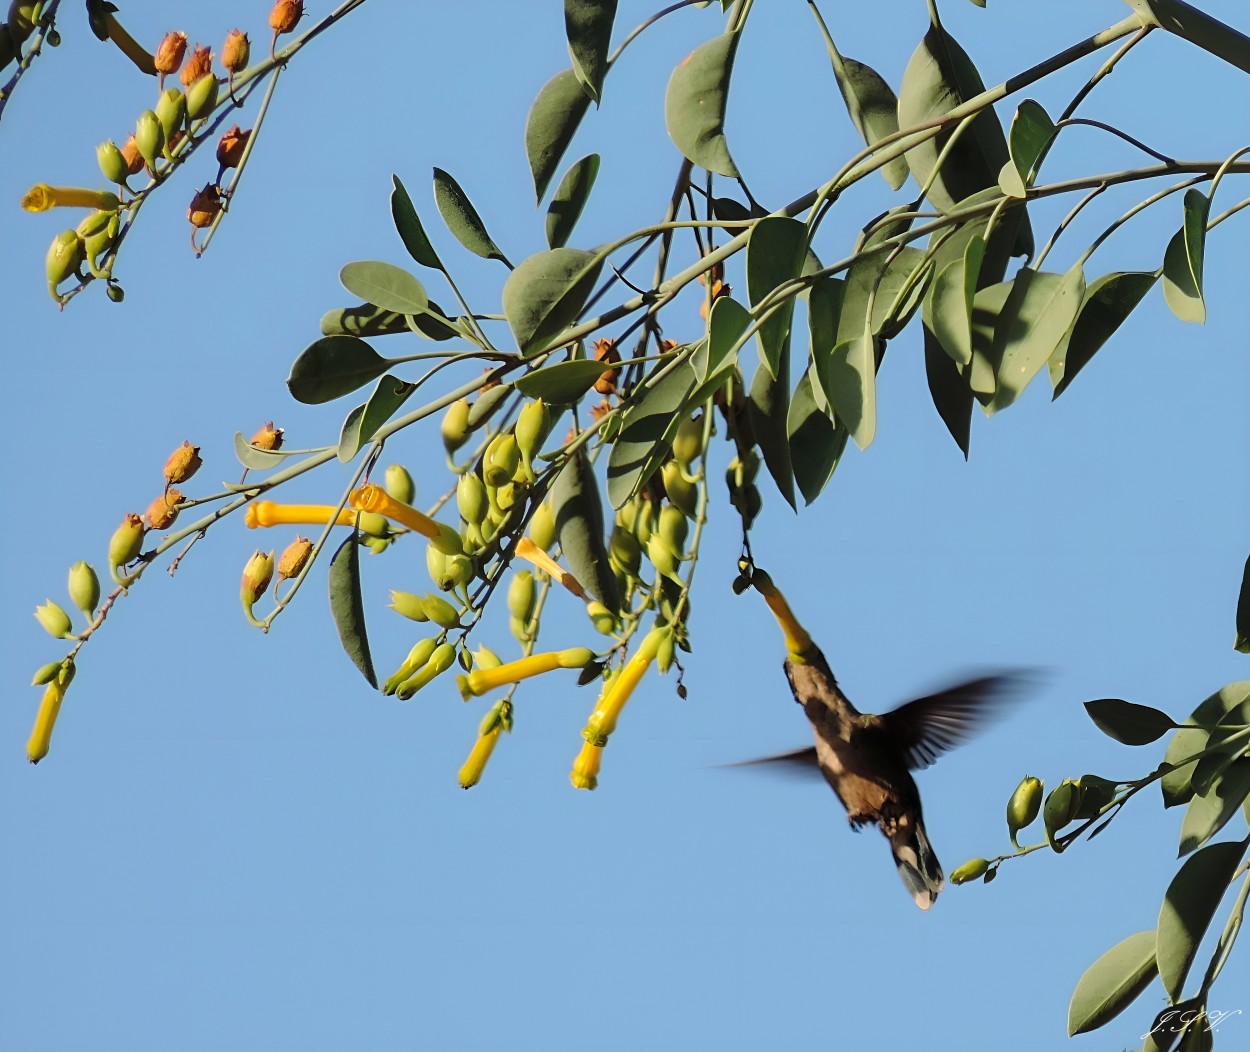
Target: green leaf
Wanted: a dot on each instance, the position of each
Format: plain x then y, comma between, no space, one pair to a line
370,320
890,282
1128,722
694,105
1096,793
408,223
579,524
1032,132
1107,303
348,609
1037,314
1209,810
776,249
869,101
816,443
384,285
1242,642
259,459
1192,738
1189,906
387,397
462,218
570,198
332,367
552,122
952,397
544,295
982,375
647,434
768,408
727,322
588,25
1182,262
1112,983
948,306
562,383
824,313
848,375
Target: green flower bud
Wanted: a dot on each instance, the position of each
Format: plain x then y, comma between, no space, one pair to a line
84,588
149,137
520,629
109,157
664,653
689,441
398,483
201,98
125,543
576,657
417,658
521,596
623,551
408,605
455,425
441,612
441,660
55,620
171,111
682,493
471,498
447,571
543,526
674,527
1023,806
662,557
485,658
47,673
532,427
501,460
65,256
970,870
601,617
1060,808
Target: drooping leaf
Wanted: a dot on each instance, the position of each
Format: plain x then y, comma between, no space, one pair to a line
384,285
694,105
1210,809
545,293
949,303
369,320
776,249
561,383
848,375
952,397
1107,303
1182,262
570,198
259,459
578,512
408,223
824,314
887,280
1128,722
647,434
768,408
727,322
588,26
348,609
387,397
982,374
1242,640
1192,738
557,110
816,442
462,218
1112,983
1188,907
870,102
1032,132
333,366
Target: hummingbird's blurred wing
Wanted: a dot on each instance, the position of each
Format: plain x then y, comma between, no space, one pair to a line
800,762
929,726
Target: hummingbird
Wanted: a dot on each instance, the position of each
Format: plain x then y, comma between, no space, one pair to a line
867,759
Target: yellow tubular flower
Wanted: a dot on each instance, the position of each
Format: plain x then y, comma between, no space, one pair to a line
798,642
471,772
602,721
531,553
375,499
41,197
49,708
130,47
585,773
267,513
483,680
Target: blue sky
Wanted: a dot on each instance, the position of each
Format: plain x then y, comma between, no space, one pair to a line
235,844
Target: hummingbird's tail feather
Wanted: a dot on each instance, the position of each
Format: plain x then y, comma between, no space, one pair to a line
917,864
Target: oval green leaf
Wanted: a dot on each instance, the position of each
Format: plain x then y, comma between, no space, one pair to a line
369,320
552,122
578,512
570,198
462,218
1183,261
768,408
816,443
387,397
1210,809
647,434
1107,303
1112,983
948,307
848,375
588,26
411,232
544,295
952,397
1192,738
1128,722
694,105
259,459
1030,137
776,249
348,609
332,367
562,383
386,286
727,322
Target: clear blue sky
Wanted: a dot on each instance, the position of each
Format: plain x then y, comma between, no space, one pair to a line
235,844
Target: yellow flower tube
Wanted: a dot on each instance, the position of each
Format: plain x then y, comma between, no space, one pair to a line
798,642
498,719
483,680
129,47
602,721
267,513
531,553
375,499
585,773
41,197
49,707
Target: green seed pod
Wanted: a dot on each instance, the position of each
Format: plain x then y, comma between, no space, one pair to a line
115,292
447,571
474,542
374,524
46,673
125,543
201,98
1023,806
398,483
441,612
520,629
532,427
418,657
377,545
1060,808
644,521
149,137
448,540
171,111
408,605
65,256
970,870
601,617
55,620
543,526
471,498
662,557
84,588
689,441
623,551
664,653
674,527
682,493
455,425
521,596
109,156
501,460
503,497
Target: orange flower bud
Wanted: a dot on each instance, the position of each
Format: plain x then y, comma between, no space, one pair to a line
181,464
163,511
199,64
204,206
719,288
231,145
268,438
293,560
170,53
605,351
284,16
235,51
134,159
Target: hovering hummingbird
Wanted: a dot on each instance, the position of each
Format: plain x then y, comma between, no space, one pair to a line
867,759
